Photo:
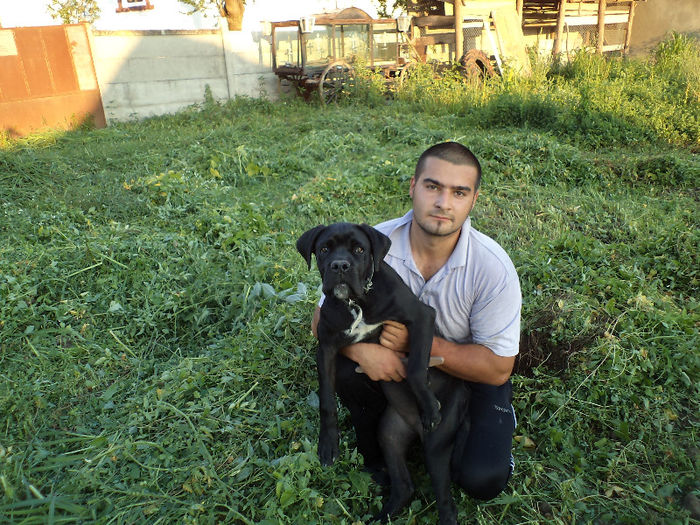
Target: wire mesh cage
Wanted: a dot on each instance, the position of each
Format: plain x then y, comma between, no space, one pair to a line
473,35
586,37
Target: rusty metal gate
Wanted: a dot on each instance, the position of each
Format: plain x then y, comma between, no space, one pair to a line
47,79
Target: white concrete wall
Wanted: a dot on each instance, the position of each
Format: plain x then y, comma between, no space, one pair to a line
146,73
655,19
248,58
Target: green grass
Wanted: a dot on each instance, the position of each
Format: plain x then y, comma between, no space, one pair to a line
156,364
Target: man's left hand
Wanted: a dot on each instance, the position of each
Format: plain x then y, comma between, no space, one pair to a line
394,336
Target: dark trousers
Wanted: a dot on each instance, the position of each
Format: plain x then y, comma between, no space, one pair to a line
481,459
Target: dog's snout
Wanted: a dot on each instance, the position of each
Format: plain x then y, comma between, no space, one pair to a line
340,265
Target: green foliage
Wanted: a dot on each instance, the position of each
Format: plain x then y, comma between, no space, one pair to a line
74,11
388,8
600,100
157,365
678,60
198,6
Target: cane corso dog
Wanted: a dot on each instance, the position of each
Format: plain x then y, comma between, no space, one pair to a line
362,291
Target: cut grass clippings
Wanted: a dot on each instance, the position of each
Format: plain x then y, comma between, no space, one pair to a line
156,362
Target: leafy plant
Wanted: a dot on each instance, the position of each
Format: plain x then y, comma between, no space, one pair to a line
75,11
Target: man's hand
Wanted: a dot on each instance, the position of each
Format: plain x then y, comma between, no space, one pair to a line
378,362
394,336
382,362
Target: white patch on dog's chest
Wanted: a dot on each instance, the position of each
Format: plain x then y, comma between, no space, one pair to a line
359,330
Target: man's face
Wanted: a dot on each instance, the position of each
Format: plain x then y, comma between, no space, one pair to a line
443,196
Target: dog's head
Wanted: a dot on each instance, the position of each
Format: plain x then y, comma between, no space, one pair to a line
347,256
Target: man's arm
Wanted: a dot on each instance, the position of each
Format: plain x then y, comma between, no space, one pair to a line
314,321
382,362
471,362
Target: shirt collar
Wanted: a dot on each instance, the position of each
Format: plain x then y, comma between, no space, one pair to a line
400,241
459,254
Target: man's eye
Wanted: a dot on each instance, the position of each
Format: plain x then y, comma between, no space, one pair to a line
359,249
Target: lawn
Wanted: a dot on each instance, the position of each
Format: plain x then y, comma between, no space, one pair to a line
156,362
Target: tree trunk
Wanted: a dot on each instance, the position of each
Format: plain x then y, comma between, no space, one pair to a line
233,11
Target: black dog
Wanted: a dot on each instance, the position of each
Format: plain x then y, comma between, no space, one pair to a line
362,291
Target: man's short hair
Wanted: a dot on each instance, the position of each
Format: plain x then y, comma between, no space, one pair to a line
452,152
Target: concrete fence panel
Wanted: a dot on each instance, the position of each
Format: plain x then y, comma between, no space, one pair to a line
145,73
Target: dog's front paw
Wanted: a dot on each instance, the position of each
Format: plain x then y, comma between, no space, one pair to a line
448,516
327,450
382,517
431,417
399,498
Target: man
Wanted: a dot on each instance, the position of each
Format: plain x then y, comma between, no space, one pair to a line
473,286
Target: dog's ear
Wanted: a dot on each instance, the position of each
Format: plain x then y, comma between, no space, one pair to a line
380,244
307,242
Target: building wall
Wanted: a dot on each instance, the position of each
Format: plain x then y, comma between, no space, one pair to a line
655,19
146,73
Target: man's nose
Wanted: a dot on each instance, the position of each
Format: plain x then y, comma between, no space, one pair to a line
443,201
340,266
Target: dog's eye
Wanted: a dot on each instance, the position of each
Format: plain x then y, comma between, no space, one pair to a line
359,249
323,250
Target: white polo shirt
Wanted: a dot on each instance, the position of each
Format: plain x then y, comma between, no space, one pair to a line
476,293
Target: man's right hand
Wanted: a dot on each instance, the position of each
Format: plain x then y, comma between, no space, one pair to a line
377,361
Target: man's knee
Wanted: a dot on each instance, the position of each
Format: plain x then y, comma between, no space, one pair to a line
482,483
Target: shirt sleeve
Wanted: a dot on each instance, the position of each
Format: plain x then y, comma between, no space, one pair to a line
495,321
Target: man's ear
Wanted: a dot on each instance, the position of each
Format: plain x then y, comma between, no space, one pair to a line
307,242
380,244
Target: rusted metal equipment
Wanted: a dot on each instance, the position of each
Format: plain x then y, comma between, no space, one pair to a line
317,53
436,41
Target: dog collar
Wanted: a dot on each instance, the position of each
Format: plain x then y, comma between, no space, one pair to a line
368,284
356,313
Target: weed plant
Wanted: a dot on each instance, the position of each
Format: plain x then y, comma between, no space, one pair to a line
594,100
156,363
